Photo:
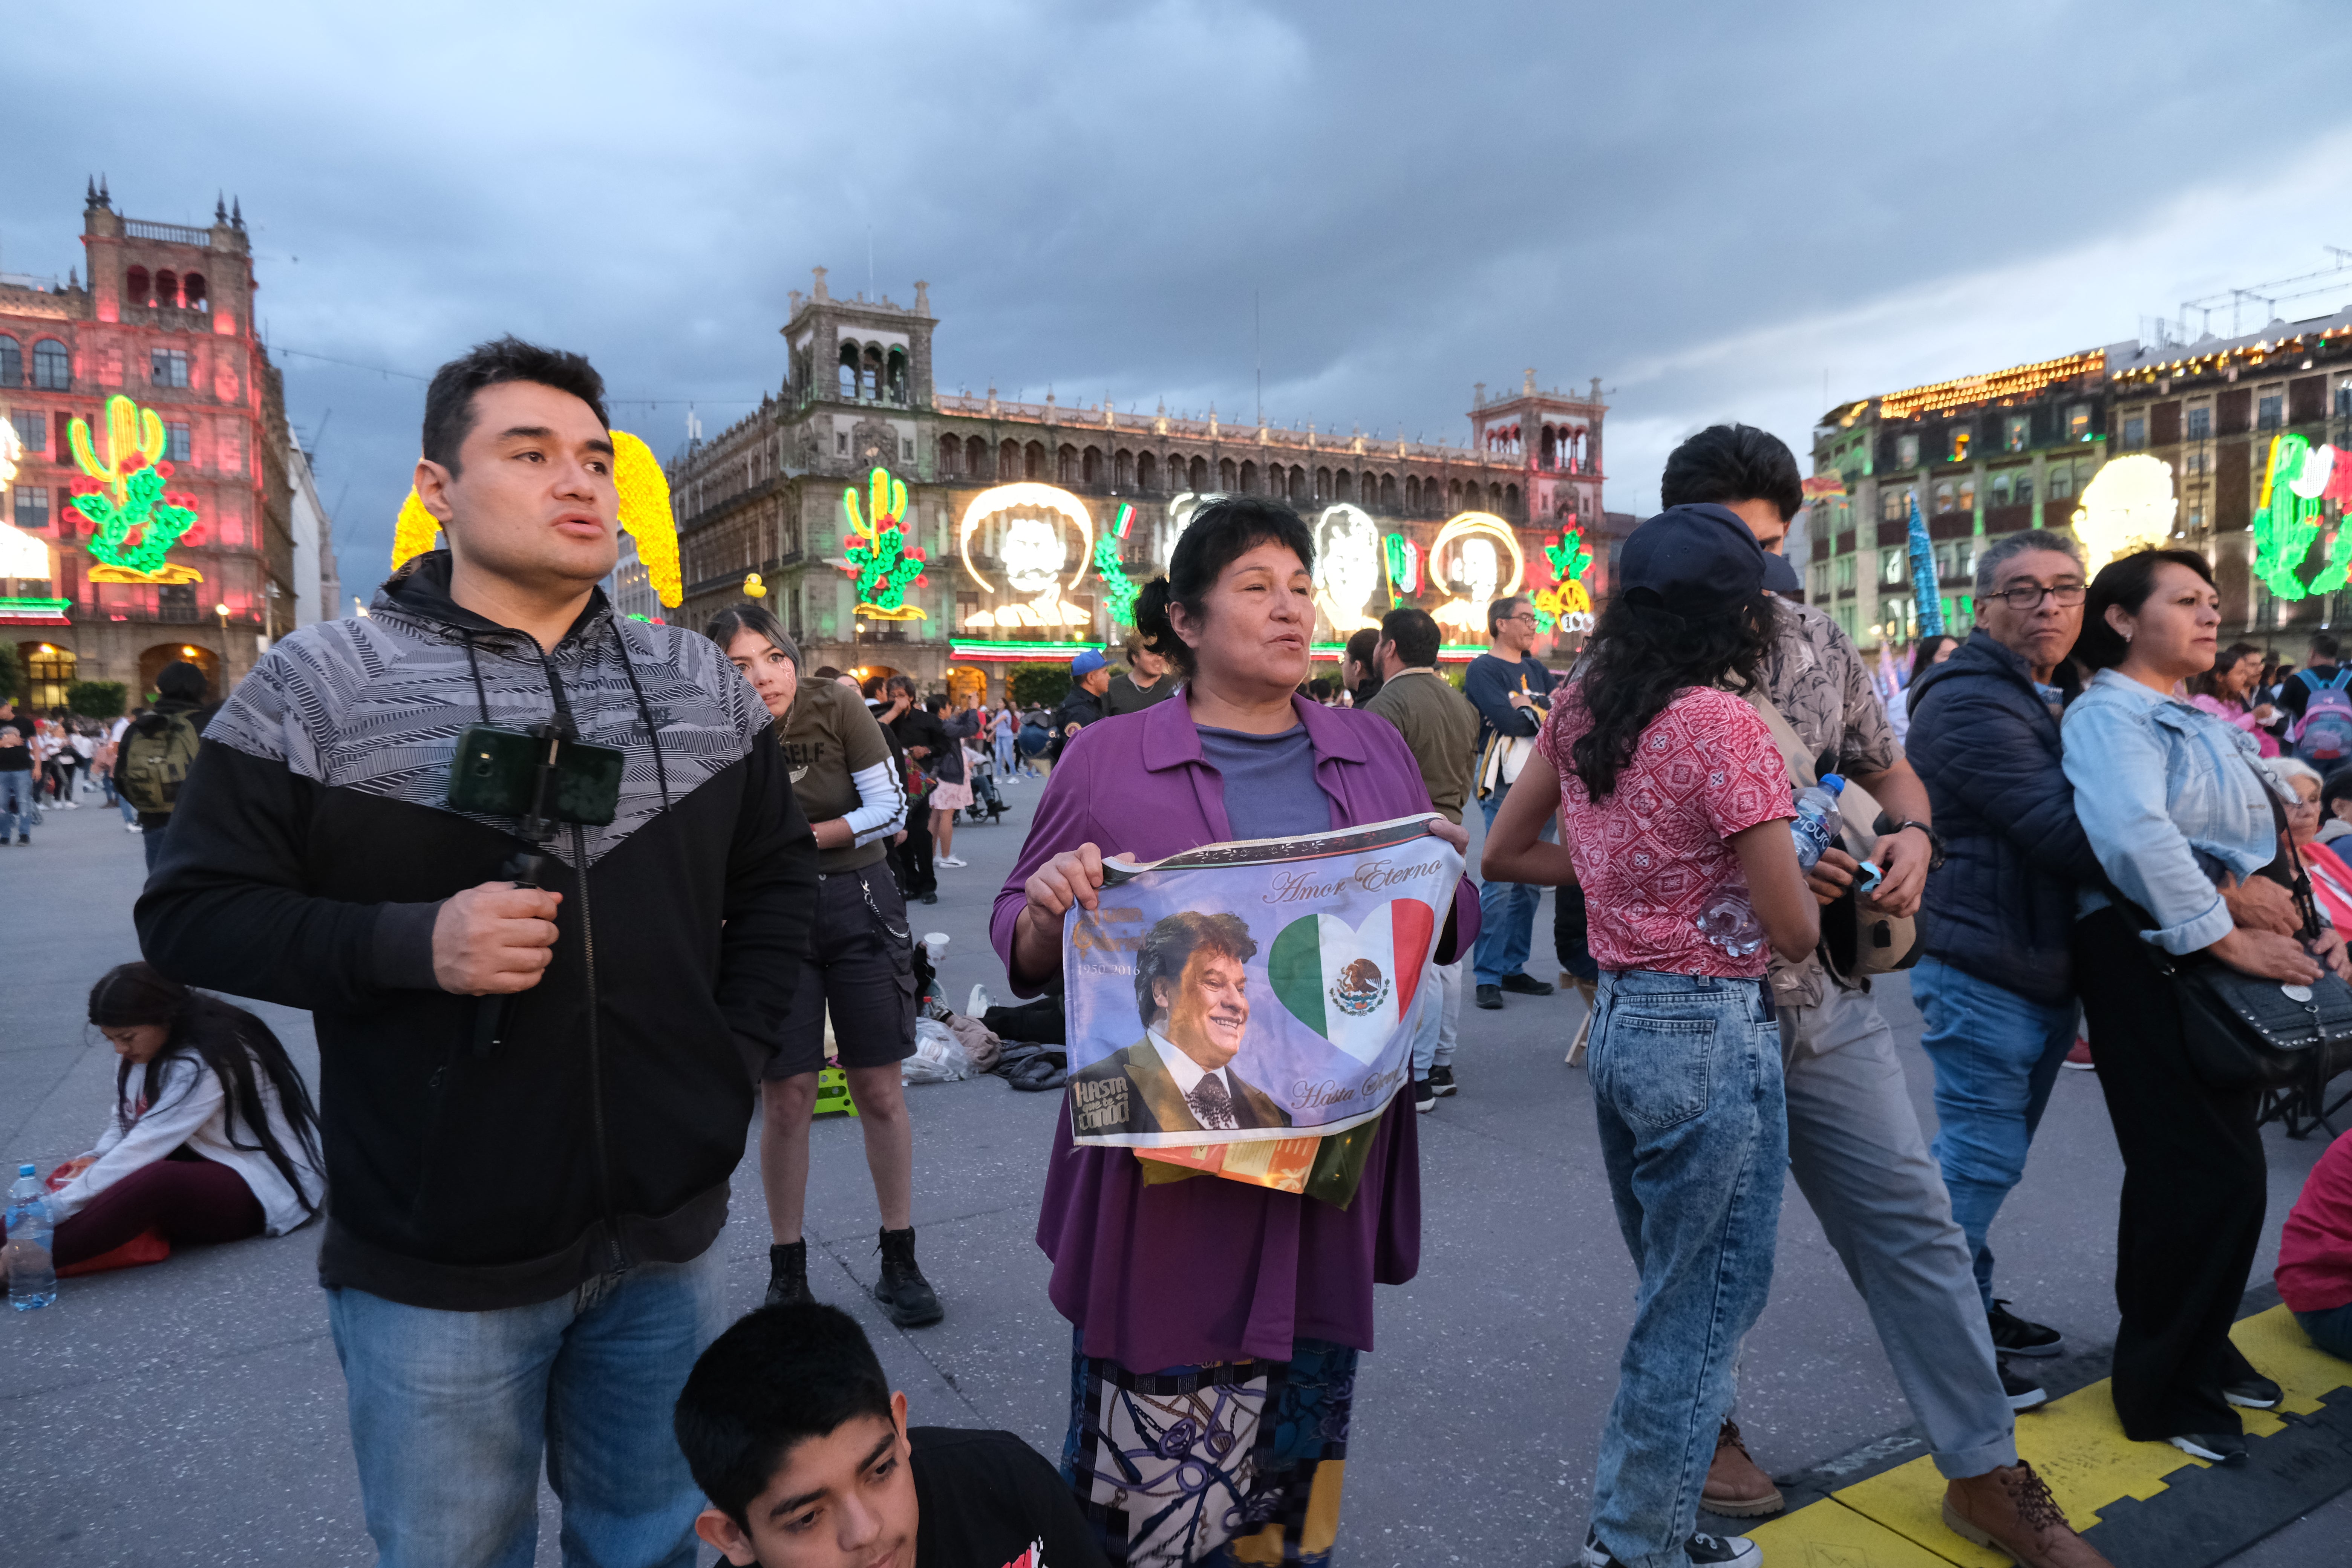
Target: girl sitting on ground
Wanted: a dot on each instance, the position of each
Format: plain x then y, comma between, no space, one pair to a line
213,1136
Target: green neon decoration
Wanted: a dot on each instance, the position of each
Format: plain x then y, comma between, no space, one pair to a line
135,522
1121,588
2287,525
882,562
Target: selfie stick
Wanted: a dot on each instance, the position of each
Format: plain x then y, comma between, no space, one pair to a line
523,868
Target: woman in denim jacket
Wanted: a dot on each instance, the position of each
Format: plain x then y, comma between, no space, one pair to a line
2181,821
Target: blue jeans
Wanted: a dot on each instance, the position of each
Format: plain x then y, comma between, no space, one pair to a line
1507,911
1439,1004
2331,1330
1996,1053
1686,1073
17,806
450,1412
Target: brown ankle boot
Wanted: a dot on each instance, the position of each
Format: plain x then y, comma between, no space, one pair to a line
1734,1487
2011,1510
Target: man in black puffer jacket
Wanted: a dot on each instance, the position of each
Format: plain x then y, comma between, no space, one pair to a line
1997,984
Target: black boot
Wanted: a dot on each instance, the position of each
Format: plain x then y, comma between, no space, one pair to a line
903,1292
788,1275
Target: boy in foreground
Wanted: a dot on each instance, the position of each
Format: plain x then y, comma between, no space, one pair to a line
803,1451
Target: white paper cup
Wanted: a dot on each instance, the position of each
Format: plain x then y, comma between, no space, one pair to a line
934,945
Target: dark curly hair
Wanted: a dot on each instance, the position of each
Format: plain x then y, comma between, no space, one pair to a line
1224,530
1642,656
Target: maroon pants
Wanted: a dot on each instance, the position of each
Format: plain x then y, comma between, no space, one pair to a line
186,1197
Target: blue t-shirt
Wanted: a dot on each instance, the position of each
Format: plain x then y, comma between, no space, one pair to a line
1270,788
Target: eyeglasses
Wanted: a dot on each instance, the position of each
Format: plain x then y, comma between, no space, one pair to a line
2029,596
1526,616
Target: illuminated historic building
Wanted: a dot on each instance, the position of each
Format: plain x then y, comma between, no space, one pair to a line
1007,531
151,483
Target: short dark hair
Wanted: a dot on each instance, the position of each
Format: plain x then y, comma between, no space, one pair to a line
826,672
2126,581
779,1377
1726,463
2335,787
1414,632
1221,532
1502,610
1361,643
1320,689
1169,945
2325,646
449,400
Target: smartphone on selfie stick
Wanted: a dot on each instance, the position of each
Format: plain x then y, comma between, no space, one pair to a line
544,777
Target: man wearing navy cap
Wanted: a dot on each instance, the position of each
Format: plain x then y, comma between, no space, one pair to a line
1089,679
1854,1144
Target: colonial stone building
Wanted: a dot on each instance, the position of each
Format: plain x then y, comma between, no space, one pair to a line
1989,455
164,320
1010,502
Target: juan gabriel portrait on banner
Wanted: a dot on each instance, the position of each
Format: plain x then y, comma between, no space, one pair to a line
1253,991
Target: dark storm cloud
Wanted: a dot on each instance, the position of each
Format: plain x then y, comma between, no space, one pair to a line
1708,206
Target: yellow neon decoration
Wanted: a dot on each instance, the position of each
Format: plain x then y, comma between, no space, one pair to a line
1474,575
1034,552
645,514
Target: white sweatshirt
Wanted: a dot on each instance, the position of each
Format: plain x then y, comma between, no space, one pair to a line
191,1108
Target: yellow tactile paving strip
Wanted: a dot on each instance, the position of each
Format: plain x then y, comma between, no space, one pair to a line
1895,1519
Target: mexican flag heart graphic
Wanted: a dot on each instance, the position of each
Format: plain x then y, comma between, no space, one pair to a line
1351,984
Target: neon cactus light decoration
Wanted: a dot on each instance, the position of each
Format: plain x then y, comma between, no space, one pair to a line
2299,479
880,559
134,519
1119,588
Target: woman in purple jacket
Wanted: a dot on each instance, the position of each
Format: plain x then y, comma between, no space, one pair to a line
1202,1305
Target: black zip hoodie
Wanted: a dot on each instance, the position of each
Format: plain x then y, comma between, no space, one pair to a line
309,857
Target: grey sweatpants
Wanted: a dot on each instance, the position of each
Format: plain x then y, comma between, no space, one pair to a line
1855,1147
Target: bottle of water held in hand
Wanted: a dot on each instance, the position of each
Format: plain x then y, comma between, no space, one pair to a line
1818,824
1730,923
32,1267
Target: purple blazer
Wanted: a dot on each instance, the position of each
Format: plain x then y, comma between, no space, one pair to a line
1191,1272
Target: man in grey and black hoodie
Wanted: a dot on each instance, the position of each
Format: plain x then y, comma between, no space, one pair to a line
519,1249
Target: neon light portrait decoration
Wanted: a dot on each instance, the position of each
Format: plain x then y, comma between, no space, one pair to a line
134,521
1347,566
2128,505
1476,558
1040,529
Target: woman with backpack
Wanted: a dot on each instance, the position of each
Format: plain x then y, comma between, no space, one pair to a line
156,752
212,1137
2318,703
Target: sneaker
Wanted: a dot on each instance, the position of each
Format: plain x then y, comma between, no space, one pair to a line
132,828
978,1002
2254,1393
788,1275
2011,1509
2024,1393
1706,1552
2012,1335
903,1292
931,898
950,861
1424,1096
1490,997
1441,1080
1526,985
2079,1059
1736,1487
2224,1448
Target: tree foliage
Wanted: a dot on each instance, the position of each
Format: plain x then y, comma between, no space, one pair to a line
1044,684
97,699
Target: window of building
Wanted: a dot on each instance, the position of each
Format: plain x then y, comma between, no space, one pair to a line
32,430
50,672
1894,566
2135,433
841,443
2024,488
1893,504
1945,496
2195,517
2061,482
167,367
2015,432
12,362
1845,613
175,440
1955,448
906,448
1820,581
32,507
2200,423
1955,557
2196,462
1844,577
1968,498
2343,395
2270,412
2078,422
1906,451
52,366
2001,488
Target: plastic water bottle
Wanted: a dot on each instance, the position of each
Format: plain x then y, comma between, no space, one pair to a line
1818,824
32,1265
1730,923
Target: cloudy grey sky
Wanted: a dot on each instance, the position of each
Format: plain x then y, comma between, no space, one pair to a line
1721,210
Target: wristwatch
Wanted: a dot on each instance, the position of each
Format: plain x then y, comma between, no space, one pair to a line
1934,841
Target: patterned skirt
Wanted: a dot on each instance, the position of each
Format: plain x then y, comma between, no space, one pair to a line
1235,1463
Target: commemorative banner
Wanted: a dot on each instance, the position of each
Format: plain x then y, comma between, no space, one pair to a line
1231,1007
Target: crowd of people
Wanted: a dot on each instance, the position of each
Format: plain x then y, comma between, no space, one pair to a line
543,1053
